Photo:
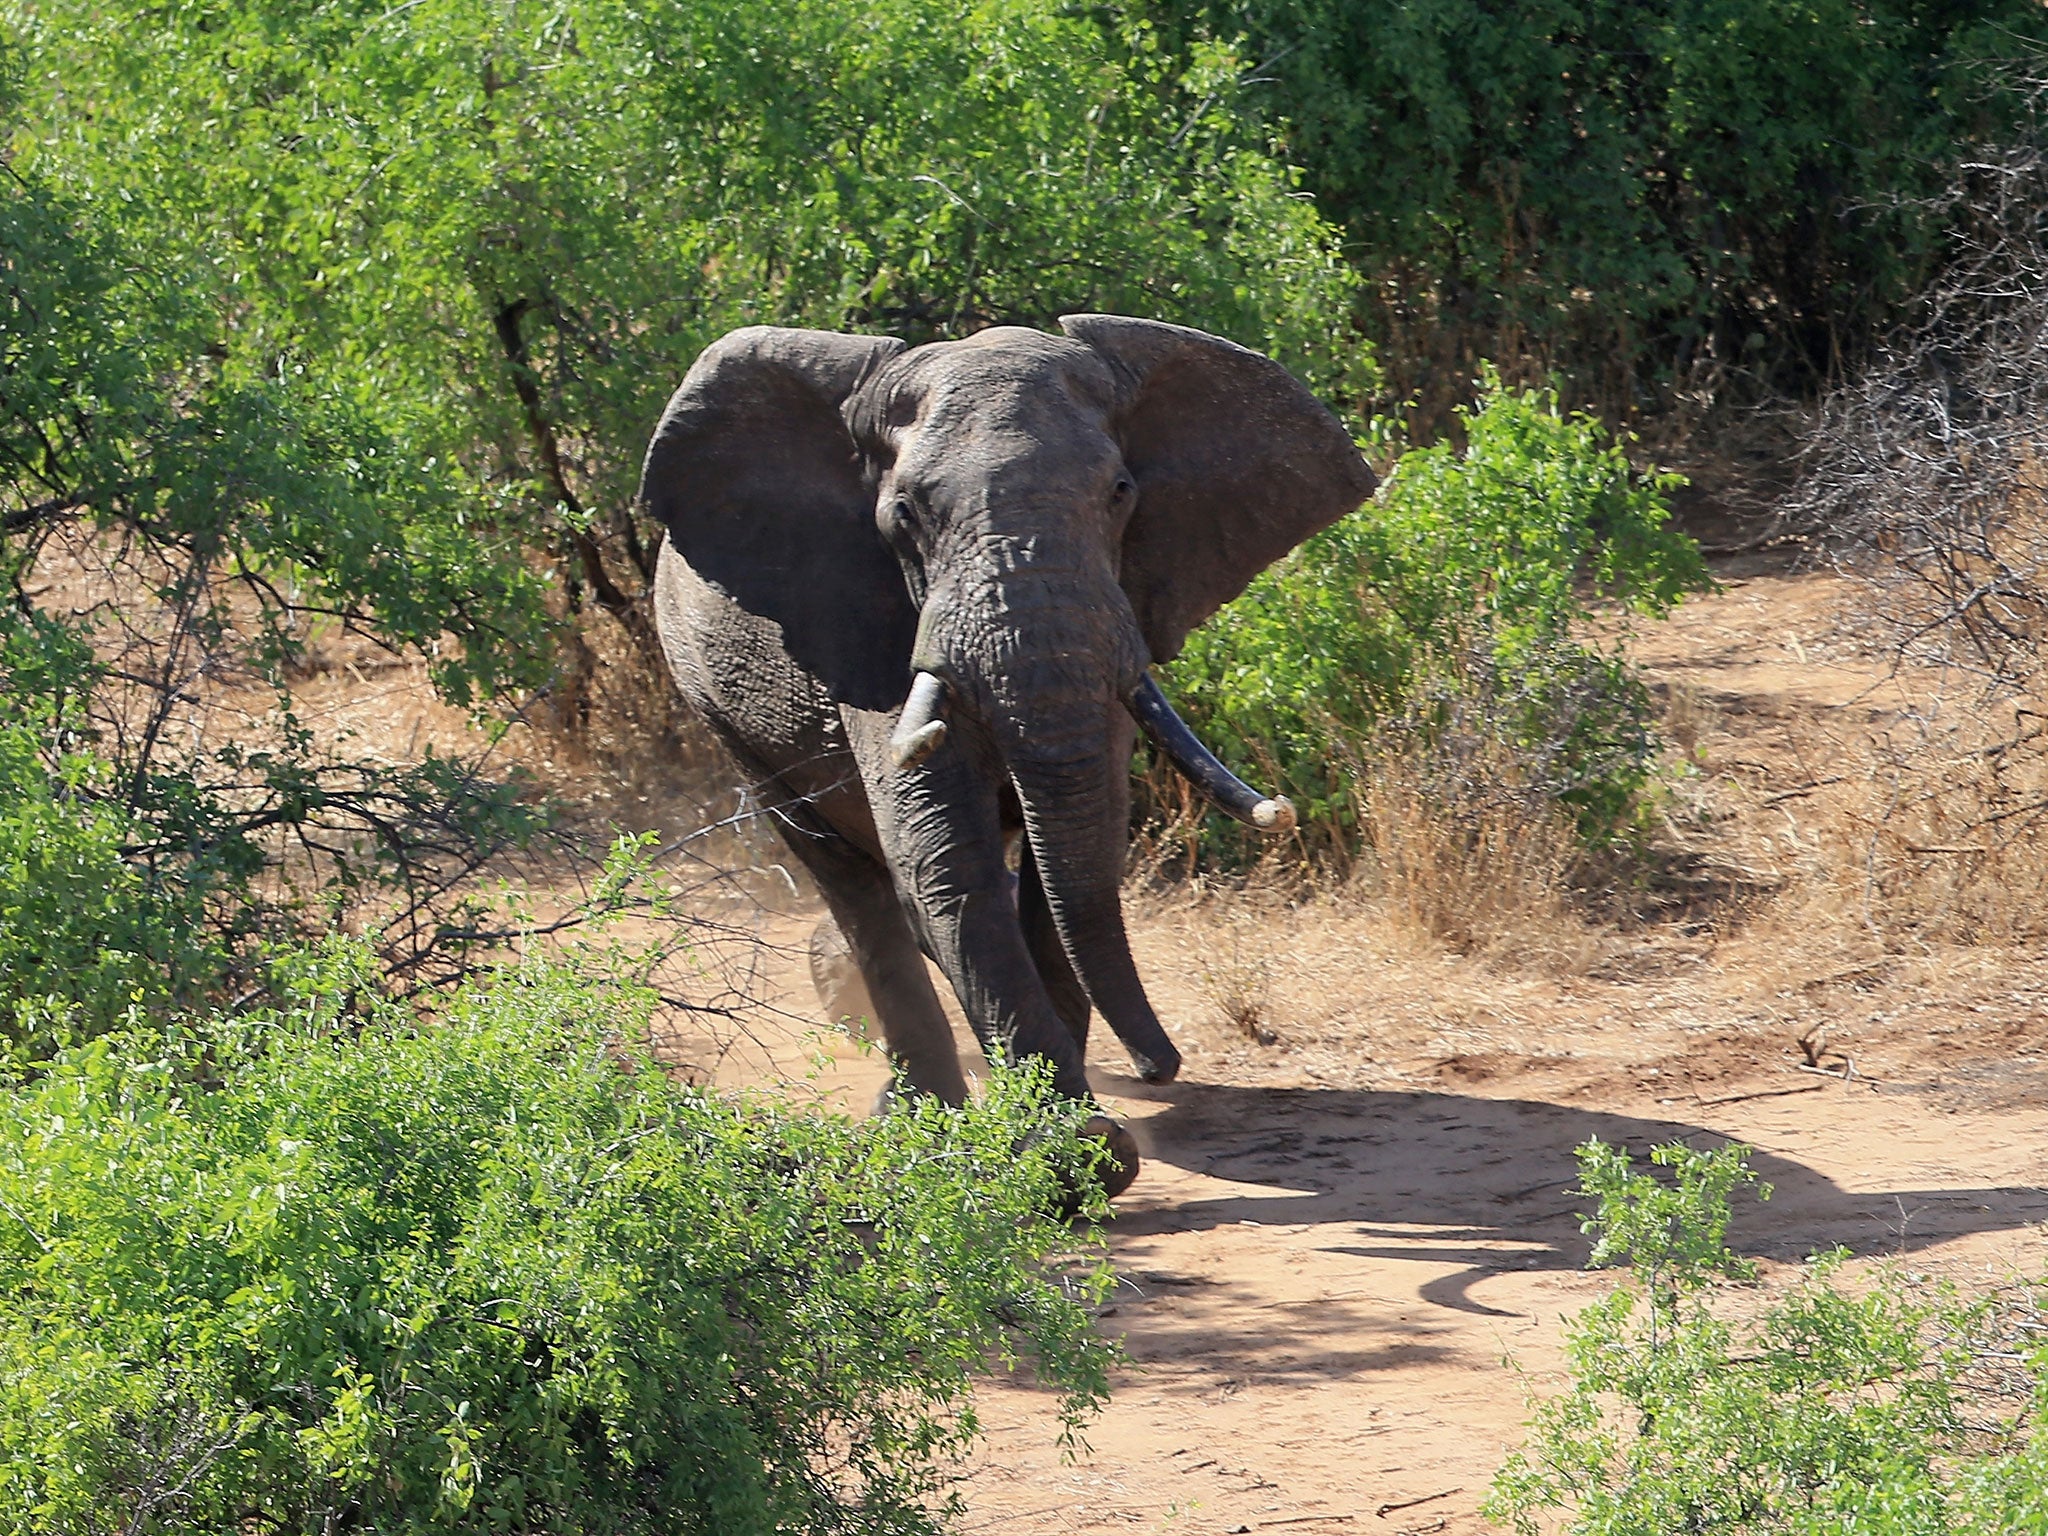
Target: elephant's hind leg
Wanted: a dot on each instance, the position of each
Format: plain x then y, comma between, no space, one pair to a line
842,990
863,902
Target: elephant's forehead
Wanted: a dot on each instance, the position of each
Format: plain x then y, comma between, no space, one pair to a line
1005,379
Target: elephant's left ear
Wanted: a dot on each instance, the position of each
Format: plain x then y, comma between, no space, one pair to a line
1236,463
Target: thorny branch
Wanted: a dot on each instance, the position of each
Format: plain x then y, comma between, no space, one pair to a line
1925,474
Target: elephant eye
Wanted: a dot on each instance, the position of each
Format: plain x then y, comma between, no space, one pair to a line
899,527
1124,490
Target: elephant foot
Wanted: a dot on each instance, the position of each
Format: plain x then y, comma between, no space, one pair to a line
1156,1069
1118,1166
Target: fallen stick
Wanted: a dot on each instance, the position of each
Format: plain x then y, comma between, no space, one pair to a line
1803,790
1304,1519
1428,1498
1769,1093
1848,1074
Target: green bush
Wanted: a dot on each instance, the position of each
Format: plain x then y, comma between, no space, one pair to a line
1651,196
506,233
351,320
79,924
173,527
1461,589
1834,1410
496,1271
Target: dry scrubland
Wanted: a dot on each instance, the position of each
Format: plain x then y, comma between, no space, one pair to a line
328,344
1355,1204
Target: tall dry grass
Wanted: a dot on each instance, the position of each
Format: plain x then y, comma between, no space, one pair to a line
1462,849
1940,829
1447,817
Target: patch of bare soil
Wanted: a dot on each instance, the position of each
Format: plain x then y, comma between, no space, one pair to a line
1355,1204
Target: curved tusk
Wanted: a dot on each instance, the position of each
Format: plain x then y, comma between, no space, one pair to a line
920,730
1166,730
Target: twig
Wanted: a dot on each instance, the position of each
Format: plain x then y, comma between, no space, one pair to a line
1846,972
1944,848
1848,1074
1768,1093
1304,1519
1428,1498
1803,790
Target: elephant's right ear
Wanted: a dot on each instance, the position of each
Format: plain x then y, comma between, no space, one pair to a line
761,488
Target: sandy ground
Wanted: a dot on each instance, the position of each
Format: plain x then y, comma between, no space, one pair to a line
1344,1233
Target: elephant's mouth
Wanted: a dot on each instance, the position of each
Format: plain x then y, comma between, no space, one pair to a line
923,727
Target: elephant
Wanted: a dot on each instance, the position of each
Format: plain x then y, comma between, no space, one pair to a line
917,590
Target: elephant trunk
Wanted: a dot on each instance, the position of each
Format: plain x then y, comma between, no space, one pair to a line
1049,657
1076,814
1046,668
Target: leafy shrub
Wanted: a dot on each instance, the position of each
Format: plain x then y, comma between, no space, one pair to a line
497,1271
1830,1411
173,525
1652,196
506,234
1453,602
79,924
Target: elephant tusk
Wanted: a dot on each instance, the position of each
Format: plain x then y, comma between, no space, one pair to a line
1273,815
920,730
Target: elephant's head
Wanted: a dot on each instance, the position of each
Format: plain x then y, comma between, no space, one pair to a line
1053,514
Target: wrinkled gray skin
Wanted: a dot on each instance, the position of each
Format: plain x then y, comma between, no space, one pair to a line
1034,520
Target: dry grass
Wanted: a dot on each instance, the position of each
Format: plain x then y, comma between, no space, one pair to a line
1464,852
1238,982
1939,830
1908,818
1689,716
1844,811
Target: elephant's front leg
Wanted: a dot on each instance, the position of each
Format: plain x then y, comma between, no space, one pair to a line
942,837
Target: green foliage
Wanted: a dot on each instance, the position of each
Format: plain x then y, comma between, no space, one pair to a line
356,316
1645,194
83,934
1829,1411
128,412
173,523
497,1271
506,233
79,924
1463,585
1672,1234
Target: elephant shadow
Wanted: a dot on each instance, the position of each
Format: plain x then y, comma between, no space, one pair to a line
1486,1184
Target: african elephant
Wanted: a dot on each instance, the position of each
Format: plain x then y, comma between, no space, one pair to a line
916,591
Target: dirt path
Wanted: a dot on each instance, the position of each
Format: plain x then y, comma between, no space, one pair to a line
1341,1232
1321,1284
1330,1253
